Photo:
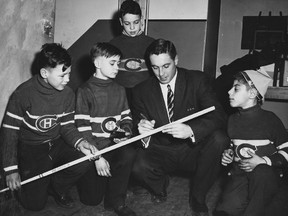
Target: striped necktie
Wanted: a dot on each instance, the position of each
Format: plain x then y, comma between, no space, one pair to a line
170,102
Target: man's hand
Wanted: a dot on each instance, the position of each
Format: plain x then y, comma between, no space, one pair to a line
227,157
87,149
178,130
13,181
145,126
248,165
103,167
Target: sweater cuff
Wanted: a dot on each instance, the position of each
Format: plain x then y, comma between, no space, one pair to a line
77,142
11,169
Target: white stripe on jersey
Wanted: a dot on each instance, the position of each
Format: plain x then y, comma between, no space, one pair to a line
284,145
106,135
14,116
86,128
6,169
84,117
67,122
251,142
11,127
284,154
125,112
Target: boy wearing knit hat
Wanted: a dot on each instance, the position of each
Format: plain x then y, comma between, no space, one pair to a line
259,148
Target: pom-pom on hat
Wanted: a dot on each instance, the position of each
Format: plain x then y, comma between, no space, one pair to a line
258,79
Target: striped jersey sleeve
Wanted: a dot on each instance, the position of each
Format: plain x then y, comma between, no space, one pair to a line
13,118
68,128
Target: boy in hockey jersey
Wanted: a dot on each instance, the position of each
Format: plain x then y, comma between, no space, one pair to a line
38,123
259,149
104,118
132,43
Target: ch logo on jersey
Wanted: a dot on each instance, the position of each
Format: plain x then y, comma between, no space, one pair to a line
109,125
242,150
46,122
133,64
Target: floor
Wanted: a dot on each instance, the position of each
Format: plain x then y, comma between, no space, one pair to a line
176,205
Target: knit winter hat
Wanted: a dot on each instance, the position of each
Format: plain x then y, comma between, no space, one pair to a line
259,78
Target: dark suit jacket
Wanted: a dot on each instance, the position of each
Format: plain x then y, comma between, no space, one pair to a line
193,93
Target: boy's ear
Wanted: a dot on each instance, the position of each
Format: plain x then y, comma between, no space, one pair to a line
97,63
43,73
120,20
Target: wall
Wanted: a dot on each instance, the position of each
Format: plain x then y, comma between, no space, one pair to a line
230,30
21,33
74,17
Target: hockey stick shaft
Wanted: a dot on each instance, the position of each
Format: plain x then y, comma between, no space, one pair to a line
110,148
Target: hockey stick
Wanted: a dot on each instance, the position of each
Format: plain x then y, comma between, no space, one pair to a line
110,148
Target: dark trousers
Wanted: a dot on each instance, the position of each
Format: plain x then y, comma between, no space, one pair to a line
278,206
248,194
35,160
152,165
93,188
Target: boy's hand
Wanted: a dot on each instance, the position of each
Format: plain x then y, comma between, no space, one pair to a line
87,148
117,140
121,135
248,165
103,167
13,181
227,157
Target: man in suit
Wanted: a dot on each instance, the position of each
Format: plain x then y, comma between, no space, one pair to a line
195,146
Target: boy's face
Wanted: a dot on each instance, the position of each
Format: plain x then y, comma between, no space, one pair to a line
107,68
240,95
56,77
131,24
163,67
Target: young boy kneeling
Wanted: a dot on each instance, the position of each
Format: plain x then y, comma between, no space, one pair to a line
104,118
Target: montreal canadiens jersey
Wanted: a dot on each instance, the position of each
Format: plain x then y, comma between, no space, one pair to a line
260,131
132,68
37,113
102,111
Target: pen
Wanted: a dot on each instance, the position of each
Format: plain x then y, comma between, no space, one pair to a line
143,116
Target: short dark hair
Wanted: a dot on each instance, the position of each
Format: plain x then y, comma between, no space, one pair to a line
104,49
243,78
131,7
160,46
53,54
